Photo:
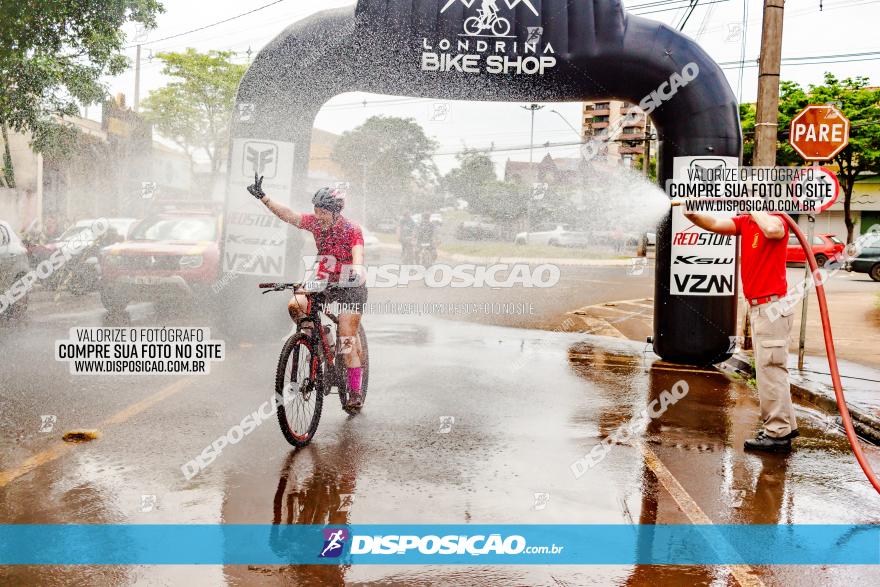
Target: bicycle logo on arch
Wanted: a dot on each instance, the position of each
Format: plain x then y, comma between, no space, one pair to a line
487,22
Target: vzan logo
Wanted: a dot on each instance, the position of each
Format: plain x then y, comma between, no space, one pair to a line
488,44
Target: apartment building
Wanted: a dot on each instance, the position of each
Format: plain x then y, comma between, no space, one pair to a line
626,140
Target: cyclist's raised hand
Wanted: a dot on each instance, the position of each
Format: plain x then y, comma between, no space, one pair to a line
256,190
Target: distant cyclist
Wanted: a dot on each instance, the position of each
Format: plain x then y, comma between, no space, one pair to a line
426,234
340,238
406,230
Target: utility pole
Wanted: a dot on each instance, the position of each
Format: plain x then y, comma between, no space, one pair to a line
533,108
137,79
767,108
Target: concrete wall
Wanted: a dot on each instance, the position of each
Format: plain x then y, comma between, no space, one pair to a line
865,198
20,206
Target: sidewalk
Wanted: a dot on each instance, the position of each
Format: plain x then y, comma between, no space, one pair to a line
861,388
855,324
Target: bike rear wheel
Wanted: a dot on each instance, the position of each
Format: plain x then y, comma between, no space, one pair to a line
365,375
298,390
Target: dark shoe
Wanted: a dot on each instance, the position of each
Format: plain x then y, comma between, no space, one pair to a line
355,400
792,435
765,443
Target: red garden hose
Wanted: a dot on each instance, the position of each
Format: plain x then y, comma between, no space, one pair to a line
832,358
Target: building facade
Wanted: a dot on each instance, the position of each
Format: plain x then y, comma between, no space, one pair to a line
623,123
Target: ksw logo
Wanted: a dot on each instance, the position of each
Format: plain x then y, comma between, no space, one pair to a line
334,542
260,158
694,260
487,22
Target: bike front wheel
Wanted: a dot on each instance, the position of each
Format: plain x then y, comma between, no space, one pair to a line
299,395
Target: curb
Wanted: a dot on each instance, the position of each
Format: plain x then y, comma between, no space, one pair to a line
866,425
538,260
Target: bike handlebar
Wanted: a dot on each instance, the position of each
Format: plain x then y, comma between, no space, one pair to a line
278,286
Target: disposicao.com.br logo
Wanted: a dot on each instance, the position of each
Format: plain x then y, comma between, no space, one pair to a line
453,544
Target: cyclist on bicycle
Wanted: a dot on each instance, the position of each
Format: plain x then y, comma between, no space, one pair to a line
340,238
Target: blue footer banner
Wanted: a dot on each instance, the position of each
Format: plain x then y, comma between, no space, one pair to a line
439,544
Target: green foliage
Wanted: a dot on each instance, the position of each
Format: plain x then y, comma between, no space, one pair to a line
390,159
747,118
56,141
857,101
53,54
475,182
195,109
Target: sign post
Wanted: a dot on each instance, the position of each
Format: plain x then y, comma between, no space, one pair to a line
817,133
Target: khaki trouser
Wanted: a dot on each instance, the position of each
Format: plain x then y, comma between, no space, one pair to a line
770,341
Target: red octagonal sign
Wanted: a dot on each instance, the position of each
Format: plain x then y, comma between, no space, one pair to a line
818,133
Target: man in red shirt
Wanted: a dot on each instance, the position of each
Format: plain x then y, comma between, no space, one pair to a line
763,248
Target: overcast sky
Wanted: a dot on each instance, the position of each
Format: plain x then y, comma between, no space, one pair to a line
842,27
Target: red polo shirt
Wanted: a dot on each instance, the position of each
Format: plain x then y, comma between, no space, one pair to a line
763,259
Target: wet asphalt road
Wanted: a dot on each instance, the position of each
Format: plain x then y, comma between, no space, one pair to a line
526,404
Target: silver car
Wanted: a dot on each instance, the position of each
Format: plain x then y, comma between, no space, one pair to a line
560,236
13,266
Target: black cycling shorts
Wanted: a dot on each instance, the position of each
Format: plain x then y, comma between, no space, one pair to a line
351,299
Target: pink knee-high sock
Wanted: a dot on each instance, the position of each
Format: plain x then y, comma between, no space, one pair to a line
354,378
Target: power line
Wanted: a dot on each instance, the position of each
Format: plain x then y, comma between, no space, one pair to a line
675,8
812,59
207,26
742,49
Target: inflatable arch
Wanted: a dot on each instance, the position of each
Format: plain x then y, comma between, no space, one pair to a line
498,50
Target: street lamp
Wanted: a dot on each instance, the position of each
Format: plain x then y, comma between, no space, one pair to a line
565,120
533,108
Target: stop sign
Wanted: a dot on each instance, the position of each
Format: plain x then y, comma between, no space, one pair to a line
818,133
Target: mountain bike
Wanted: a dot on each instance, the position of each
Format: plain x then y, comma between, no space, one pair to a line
312,366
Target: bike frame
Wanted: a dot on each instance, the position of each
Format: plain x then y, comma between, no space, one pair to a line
313,314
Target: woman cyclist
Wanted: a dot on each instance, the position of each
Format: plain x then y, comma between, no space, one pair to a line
343,240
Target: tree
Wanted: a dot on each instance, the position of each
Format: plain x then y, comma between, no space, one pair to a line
390,156
195,110
475,182
53,54
747,118
859,103
470,180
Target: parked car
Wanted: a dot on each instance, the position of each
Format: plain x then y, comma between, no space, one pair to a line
386,225
560,236
14,265
824,247
867,261
81,274
170,255
474,230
